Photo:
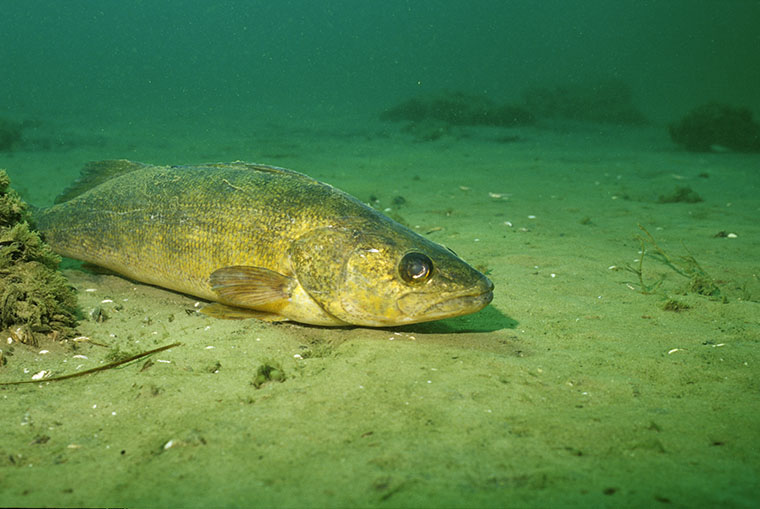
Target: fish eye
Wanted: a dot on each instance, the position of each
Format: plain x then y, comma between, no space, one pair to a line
415,267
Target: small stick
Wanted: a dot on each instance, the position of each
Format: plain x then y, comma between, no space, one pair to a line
95,370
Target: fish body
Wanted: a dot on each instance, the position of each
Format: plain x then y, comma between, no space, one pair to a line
261,240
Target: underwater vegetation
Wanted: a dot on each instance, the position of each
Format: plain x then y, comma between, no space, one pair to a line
431,117
607,101
681,194
698,280
10,135
714,126
459,108
269,371
35,299
41,136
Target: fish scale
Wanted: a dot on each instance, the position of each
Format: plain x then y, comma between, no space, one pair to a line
259,240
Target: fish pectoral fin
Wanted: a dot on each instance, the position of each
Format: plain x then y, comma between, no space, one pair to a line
224,312
250,287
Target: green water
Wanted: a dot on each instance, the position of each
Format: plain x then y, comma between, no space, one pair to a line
574,388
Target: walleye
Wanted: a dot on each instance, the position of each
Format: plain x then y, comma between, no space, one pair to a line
260,241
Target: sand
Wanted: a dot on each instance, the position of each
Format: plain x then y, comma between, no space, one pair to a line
573,388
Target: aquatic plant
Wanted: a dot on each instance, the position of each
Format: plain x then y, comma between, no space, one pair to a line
459,108
35,299
675,305
606,101
268,371
717,127
681,194
699,281
10,135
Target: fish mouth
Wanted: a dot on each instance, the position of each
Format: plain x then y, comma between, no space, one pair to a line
463,303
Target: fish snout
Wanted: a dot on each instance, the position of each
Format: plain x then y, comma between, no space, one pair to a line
422,307
487,295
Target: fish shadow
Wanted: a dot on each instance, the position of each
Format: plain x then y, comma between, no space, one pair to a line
489,319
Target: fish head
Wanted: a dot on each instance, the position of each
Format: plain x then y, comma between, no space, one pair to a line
389,278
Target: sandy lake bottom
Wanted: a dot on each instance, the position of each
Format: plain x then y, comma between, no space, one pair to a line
575,387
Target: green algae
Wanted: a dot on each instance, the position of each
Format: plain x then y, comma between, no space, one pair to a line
440,111
681,194
10,135
35,299
717,127
700,282
268,371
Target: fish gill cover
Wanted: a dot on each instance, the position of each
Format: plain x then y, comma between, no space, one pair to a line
35,299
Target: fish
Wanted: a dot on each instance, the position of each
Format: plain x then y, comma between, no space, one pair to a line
259,241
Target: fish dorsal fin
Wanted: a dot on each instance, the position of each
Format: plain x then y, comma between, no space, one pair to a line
250,287
95,173
263,168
